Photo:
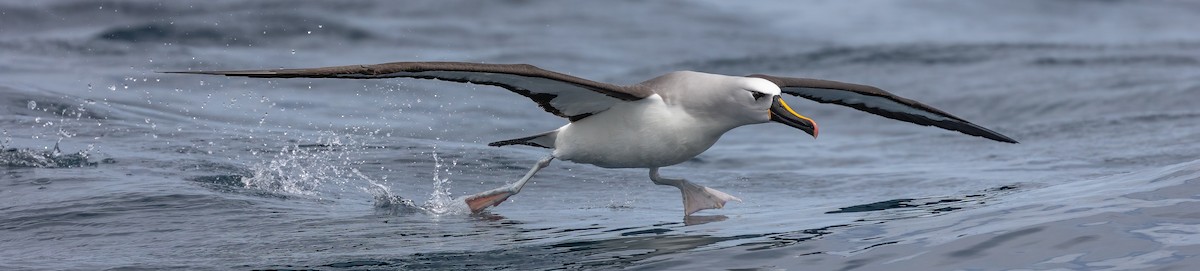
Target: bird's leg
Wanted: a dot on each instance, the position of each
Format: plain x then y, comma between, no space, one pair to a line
494,197
695,197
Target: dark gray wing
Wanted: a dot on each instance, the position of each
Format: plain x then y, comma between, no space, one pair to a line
560,94
879,102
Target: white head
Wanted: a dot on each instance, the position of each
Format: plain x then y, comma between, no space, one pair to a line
728,101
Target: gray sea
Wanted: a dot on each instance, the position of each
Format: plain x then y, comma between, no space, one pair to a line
107,165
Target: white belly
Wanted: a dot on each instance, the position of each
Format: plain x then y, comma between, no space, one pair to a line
640,134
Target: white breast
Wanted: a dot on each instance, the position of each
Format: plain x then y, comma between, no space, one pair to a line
639,134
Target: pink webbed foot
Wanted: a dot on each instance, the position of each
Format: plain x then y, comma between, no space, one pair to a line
696,198
482,201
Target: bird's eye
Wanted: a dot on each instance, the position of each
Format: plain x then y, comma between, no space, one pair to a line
758,95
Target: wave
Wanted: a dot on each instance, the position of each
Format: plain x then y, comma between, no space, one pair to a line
1168,60
933,54
269,28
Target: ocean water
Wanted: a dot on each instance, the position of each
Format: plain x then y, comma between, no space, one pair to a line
106,164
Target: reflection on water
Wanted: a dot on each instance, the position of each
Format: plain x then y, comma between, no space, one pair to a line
693,220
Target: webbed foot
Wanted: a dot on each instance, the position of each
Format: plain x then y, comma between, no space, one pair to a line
696,198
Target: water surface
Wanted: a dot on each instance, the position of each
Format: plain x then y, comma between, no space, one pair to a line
106,164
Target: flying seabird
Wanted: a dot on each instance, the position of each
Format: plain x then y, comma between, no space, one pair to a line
660,122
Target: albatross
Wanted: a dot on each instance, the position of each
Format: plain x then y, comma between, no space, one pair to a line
653,124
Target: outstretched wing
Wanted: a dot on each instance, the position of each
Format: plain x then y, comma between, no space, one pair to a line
563,95
879,102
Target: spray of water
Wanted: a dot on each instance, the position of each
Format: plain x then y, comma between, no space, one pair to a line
62,118
386,201
302,169
440,201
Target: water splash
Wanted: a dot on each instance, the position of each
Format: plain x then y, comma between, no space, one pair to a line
385,199
440,201
387,202
29,158
303,169
293,170
56,152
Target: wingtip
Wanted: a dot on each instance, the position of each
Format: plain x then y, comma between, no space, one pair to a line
1002,138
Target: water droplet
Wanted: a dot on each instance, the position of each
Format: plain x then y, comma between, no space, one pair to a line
112,87
293,51
32,105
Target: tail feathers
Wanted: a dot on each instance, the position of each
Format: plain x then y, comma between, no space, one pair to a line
544,140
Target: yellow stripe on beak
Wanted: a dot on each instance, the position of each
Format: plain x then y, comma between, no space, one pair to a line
782,113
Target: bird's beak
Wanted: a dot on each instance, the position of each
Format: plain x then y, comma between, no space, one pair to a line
782,113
